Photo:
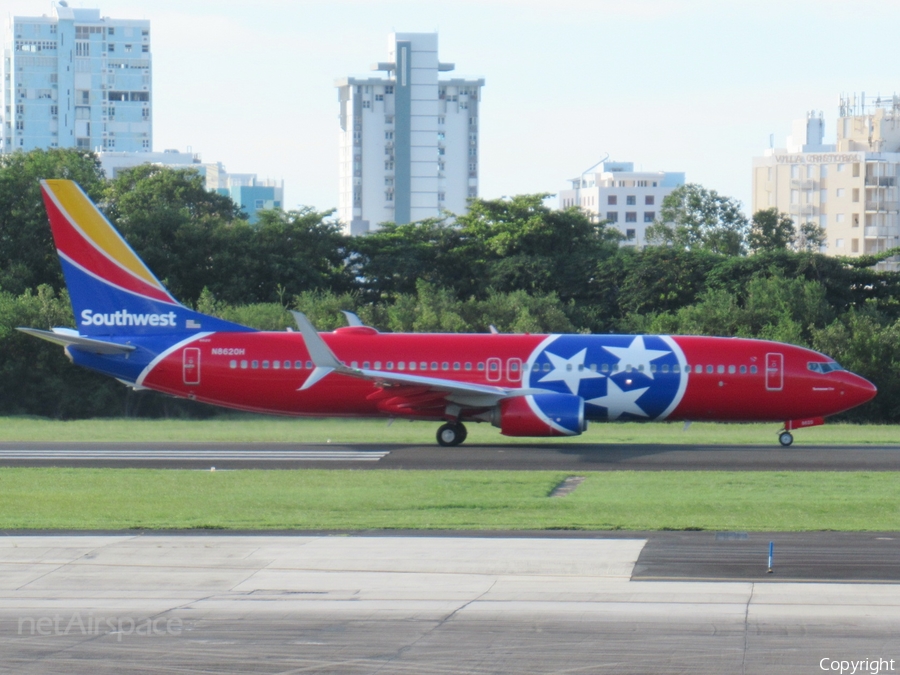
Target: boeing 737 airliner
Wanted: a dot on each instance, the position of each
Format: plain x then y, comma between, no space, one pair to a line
131,328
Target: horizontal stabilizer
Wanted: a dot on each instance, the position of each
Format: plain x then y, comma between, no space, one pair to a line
85,344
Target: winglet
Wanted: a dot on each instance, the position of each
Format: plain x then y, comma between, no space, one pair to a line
323,358
352,319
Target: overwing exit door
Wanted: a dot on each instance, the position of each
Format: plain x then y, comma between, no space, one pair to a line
774,371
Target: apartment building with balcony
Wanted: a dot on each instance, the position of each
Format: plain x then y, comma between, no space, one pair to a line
849,188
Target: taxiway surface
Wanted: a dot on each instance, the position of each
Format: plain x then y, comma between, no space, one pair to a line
557,457
422,604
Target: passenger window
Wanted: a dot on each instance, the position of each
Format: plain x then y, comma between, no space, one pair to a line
753,370
546,367
677,369
298,364
743,370
720,370
309,365
514,367
652,367
378,365
493,366
640,368
615,367
354,364
456,365
433,365
665,367
243,364
254,364
365,365
445,366
423,366
401,365
709,369
604,368
468,365
390,365
232,364
731,370
276,364
265,364
287,364
480,366
593,367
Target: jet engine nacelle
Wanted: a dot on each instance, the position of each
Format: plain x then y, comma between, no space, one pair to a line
541,415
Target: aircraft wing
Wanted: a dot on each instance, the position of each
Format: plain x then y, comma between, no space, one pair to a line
67,337
461,393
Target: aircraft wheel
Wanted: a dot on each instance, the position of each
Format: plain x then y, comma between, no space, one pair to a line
785,438
450,434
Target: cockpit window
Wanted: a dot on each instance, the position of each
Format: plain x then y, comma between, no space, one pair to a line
826,367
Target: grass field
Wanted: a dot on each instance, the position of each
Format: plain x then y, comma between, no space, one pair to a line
279,429
342,499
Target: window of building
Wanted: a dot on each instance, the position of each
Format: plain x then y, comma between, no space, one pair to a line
823,196
388,196
631,216
649,216
855,194
367,104
612,216
145,48
854,245
795,171
811,171
840,192
379,97
612,200
389,89
259,203
630,234
649,200
630,200
839,243
441,120
855,222
442,196
127,48
111,30
856,169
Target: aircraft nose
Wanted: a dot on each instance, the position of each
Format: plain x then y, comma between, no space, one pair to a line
856,390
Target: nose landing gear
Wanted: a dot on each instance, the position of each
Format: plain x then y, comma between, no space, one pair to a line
451,434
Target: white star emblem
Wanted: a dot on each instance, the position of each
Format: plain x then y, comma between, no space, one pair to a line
618,402
637,355
571,370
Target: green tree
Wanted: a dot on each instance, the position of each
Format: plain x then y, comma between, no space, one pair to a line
693,217
284,254
812,238
522,244
770,231
27,254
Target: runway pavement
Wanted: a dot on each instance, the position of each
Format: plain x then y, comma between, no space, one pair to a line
558,457
422,604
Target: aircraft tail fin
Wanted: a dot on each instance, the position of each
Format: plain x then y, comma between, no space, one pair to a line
112,291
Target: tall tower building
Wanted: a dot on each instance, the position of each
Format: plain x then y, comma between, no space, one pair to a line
409,140
76,79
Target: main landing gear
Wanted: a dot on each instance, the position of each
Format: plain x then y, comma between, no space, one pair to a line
451,433
785,438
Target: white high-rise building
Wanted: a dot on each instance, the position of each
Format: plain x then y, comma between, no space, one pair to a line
626,199
851,189
76,79
409,141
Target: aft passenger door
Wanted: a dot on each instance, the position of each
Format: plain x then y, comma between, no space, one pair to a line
191,365
774,371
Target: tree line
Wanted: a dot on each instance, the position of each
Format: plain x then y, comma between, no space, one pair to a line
513,263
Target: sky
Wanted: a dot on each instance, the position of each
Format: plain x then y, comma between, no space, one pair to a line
672,85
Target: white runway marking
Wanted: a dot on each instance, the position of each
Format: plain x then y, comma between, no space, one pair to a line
189,455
